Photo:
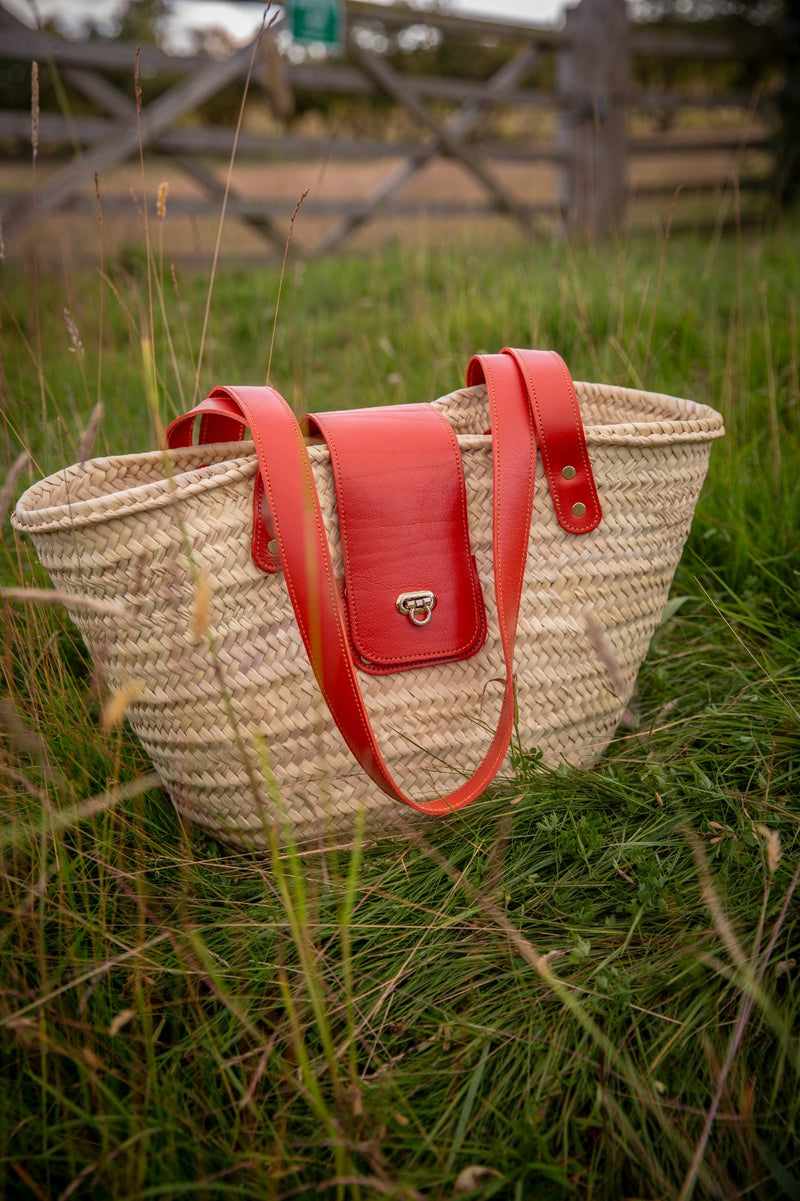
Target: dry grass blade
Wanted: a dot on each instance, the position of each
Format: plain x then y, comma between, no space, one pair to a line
714,904
384,1188
9,488
89,434
223,210
607,656
734,1047
65,819
118,705
23,737
121,1020
280,281
35,109
48,596
201,606
772,841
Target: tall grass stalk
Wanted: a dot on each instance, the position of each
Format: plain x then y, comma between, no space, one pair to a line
223,209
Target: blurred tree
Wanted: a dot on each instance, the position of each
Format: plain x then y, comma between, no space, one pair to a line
141,21
758,11
770,32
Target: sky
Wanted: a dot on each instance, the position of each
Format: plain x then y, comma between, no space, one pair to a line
243,19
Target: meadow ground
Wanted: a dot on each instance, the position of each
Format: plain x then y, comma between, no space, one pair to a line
180,1021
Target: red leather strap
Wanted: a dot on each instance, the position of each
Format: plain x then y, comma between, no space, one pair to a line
289,487
562,442
514,467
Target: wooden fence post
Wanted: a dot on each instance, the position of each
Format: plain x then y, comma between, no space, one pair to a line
593,81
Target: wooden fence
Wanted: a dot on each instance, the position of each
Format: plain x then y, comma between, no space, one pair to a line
581,156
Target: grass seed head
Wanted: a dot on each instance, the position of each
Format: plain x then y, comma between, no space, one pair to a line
161,199
474,1177
121,1019
35,108
201,606
74,336
119,703
772,841
89,433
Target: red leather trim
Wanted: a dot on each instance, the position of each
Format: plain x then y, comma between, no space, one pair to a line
562,442
403,524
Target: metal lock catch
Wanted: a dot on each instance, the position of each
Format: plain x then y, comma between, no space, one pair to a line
416,606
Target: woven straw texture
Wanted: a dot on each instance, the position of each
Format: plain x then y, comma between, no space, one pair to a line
232,717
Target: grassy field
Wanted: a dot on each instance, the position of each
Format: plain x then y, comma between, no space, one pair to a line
591,993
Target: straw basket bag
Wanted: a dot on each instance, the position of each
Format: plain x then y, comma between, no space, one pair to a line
390,600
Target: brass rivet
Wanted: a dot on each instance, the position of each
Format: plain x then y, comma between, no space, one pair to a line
272,546
579,508
568,473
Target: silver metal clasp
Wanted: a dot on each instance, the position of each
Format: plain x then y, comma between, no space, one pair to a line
417,606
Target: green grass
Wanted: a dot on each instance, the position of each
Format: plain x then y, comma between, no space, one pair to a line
589,984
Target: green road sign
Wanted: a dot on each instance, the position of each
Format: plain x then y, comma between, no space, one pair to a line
319,21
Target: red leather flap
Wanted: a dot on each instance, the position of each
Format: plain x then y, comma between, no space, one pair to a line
412,592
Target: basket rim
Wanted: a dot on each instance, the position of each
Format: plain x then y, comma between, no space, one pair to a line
196,469
229,464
